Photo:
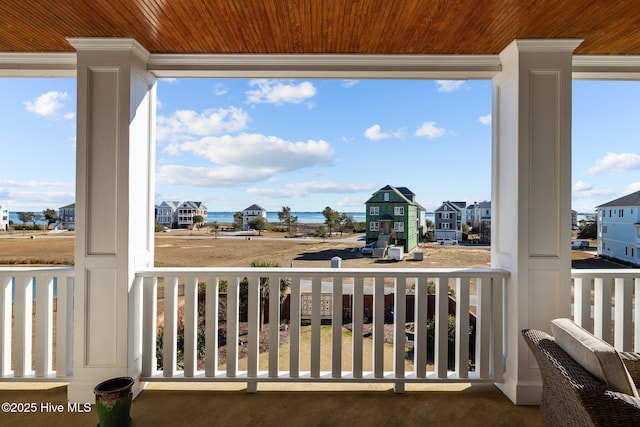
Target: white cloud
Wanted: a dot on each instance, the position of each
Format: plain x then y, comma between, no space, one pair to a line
36,184
350,83
302,189
256,150
633,187
430,130
485,120
582,189
375,133
615,162
168,79
48,104
200,176
446,86
220,90
279,92
242,159
184,124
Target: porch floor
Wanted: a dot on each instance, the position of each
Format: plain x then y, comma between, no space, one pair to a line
164,404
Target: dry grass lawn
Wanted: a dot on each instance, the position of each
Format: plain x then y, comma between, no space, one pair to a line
202,249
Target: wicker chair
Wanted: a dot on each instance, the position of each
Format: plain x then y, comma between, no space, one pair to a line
571,396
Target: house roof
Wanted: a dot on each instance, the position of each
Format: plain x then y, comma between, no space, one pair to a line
402,192
71,206
322,27
456,206
194,205
255,207
632,199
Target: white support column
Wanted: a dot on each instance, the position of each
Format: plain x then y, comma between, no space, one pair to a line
115,208
531,196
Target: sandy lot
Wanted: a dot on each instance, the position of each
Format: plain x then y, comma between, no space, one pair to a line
203,249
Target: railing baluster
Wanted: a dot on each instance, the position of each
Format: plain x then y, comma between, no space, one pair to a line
602,308
233,290
44,325
149,325
211,326
23,325
582,302
623,314
64,331
336,329
420,327
483,325
440,352
498,287
636,317
378,327
462,327
316,293
357,317
253,333
274,326
399,338
170,333
294,328
190,351
5,324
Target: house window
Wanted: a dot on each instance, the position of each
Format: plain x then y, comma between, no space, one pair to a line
398,227
445,226
445,215
386,197
398,210
374,210
621,213
604,229
374,226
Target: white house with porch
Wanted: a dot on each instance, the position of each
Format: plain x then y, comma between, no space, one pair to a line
619,228
251,213
4,218
106,302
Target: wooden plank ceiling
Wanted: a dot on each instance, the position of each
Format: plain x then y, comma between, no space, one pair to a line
322,26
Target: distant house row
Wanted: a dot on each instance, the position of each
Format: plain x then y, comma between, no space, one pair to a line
450,218
172,214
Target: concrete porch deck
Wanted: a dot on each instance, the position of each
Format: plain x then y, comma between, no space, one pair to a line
170,404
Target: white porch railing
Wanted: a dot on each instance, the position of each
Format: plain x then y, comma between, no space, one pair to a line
607,303
487,302
27,300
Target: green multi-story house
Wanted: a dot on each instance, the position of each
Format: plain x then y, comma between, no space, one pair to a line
394,217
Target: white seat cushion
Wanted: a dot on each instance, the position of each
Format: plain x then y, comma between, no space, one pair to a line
597,357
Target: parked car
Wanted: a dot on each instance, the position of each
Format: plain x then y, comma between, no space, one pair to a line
579,244
368,249
447,241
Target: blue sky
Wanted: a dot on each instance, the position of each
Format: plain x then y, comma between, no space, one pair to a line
308,144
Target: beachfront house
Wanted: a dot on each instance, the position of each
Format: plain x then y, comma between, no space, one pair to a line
4,218
187,210
166,213
619,228
393,217
479,219
67,217
106,303
449,217
251,213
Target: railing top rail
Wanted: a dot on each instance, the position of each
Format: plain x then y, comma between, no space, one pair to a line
327,272
613,272
57,271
